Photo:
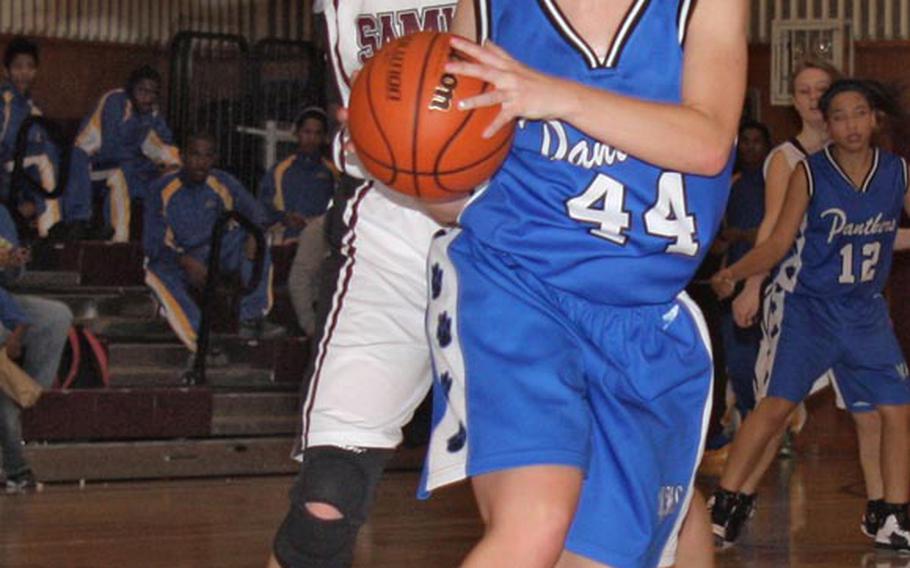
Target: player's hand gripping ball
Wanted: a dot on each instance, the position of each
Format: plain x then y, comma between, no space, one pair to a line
407,128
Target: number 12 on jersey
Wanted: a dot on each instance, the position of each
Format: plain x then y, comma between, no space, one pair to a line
603,204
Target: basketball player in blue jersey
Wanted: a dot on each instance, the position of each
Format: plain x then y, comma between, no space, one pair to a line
839,223
572,373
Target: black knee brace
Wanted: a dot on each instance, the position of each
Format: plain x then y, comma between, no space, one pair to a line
343,478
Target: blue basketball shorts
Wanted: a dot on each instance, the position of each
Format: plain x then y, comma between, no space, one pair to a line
526,375
852,336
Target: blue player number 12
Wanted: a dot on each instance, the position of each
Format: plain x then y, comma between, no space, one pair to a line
603,204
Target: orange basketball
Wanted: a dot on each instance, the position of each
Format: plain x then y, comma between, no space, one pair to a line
406,125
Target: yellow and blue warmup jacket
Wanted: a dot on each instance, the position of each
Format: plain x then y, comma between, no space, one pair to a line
11,314
302,183
41,160
179,219
121,149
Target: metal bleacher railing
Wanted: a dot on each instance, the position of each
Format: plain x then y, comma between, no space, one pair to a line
235,89
154,22
40,127
196,375
871,20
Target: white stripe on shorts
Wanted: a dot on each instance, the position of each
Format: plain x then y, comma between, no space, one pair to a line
444,466
773,321
668,556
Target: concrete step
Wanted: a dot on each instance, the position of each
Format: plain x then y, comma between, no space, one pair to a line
89,307
162,355
64,288
120,328
48,279
259,413
233,376
258,354
162,459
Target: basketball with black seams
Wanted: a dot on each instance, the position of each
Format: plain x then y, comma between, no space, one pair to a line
407,128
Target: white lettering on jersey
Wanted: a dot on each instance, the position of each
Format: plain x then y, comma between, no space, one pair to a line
585,153
871,226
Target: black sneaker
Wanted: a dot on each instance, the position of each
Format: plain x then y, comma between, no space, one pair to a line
729,513
744,510
872,519
261,329
894,534
721,505
24,482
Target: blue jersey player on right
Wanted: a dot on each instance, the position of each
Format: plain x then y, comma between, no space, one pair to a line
840,226
572,372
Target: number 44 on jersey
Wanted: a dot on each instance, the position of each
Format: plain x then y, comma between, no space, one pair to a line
603,205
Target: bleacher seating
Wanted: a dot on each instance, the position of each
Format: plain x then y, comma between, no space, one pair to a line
147,422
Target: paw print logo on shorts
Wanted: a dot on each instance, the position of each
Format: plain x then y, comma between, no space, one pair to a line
456,442
444,329
446,381
436,281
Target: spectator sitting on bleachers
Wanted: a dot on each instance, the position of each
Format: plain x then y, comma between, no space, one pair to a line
296,192
300,187
21,60
35,331
122,146
180,214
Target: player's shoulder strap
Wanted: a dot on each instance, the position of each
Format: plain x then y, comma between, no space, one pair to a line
683,18
906,172
484,10
806,166
482,14
798,145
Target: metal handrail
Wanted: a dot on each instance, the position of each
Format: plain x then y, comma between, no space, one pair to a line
196,375
20,177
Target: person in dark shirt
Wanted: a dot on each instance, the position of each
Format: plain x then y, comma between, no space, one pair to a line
745,211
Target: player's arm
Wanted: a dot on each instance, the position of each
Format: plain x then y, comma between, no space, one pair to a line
776,182
902,242
903,235
704,124
464,22
771,251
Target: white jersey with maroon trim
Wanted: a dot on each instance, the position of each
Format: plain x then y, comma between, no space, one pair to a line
371,365
357,29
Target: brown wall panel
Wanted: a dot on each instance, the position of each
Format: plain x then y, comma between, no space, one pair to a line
73,75
885,61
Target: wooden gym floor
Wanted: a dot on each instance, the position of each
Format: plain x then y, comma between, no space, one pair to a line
808,515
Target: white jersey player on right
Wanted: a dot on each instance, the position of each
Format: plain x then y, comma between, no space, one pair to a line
371,367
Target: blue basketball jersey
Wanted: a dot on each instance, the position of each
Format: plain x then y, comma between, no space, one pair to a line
584,217
846,241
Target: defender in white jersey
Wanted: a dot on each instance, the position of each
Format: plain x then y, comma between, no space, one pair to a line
371,366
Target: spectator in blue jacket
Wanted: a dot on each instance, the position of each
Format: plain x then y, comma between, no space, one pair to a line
34,331
122,146
41,159
180,214
300,187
